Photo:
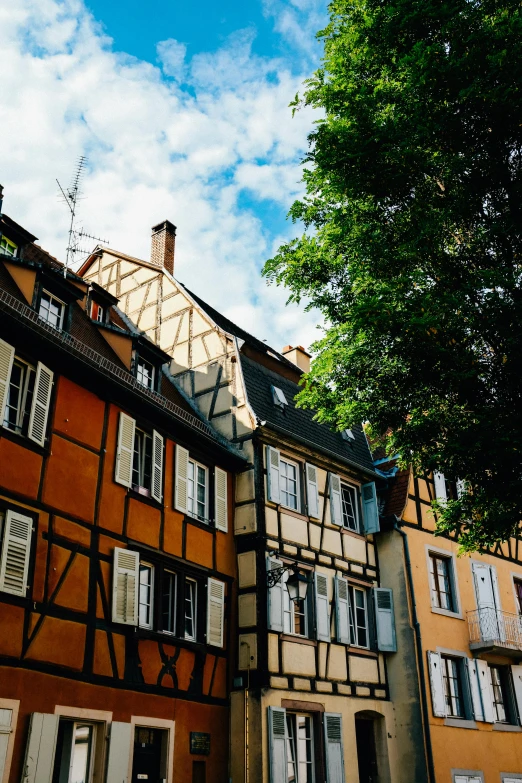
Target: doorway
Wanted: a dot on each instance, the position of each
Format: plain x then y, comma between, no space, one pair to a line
149,761
366,750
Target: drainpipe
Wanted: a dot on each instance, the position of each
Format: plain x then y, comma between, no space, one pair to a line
420,659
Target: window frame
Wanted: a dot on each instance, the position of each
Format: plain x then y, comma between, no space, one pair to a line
508,697
151,605
296,465
466,773
14,706
311,717
45,292
290,611
194,515
456,613
21,410
355,494
101,719
173,600
516,576
352,623
459,668
8,244
142,489
194,602
140,360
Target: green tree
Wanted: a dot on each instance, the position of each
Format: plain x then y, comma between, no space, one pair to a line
412,243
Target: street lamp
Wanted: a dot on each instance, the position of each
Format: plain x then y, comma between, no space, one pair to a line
296,584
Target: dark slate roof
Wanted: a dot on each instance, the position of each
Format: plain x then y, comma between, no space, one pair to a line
297,421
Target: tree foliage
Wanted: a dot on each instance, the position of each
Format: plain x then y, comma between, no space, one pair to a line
412,243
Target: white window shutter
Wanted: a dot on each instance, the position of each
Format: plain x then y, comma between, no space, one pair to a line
312,490
119,752
516,673
474,686
273,459
215,612
125,586
157,466
43,386
486,690
220,499
275,598
342,610
7,353
438,699
322,613
440,487
181,482
335,499
370,508
14,563
384,619
40,748
277,744
6,729
333,741
125,450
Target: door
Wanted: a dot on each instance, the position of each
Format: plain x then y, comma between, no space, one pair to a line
488,602
149,758
366,752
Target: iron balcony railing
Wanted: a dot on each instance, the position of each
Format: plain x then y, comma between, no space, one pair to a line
490,627
25,314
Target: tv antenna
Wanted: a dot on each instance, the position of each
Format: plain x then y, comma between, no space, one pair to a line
71,196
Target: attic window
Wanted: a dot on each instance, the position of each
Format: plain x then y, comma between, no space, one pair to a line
98,312
7,247
347,435
279,398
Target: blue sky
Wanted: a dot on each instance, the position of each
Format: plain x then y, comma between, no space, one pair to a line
182,112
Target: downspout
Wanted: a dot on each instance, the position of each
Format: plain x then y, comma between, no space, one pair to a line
420,659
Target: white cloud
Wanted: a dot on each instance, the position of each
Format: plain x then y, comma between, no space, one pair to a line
158,149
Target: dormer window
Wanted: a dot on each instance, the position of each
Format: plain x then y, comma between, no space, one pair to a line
51,310
279,398
98,312
145,373
7,247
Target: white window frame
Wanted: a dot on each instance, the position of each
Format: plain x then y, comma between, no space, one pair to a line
351,614
186,636
55,299
466,773
173,600
141,488
355,493
194,514
440,552
23,395
6,245
141,361
289,610
144,565
295,465
312,718
14,706
154,723
516,575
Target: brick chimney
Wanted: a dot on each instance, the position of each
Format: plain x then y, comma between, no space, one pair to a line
297,356
162,245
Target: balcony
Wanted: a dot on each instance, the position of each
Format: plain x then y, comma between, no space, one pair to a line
495,632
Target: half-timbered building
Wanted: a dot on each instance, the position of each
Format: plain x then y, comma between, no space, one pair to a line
117,558
310,698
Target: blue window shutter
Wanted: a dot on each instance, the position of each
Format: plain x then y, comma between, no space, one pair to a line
342,610
322,613
275,598
370,508
384,619
333,740
277,744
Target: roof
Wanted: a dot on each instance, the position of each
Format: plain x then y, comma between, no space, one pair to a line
297,421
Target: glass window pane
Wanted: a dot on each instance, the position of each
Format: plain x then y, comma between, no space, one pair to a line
145,595
168,602
190,609
81,752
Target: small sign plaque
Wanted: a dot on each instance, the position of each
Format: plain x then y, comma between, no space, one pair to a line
199,743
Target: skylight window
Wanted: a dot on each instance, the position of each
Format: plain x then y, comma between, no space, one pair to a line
279,398
347,435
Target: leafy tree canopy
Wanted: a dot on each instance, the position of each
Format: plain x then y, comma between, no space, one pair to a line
412,243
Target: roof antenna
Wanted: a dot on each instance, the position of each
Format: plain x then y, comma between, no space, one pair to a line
71,196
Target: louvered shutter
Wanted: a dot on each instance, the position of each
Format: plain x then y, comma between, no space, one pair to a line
516,674
275,598
220,500
40,748
370,508
125,585
438,700
335,499
440,487
486,690
273,459
157,467
7,353
384,619
277,744
215,612
322,614
181,483
333,740
125,450
312,490
16,551
6,728
119,752
43,386
474,687
342,610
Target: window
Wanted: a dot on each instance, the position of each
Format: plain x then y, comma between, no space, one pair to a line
74,752
191,596
518,593
289,484
468,779
197,491
500,686
349,507
295,615
441,582
142,462
145,595
145,373
299,748
19,397
168,602
97,312
358,610
51,310
279,398
7,247
452,681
